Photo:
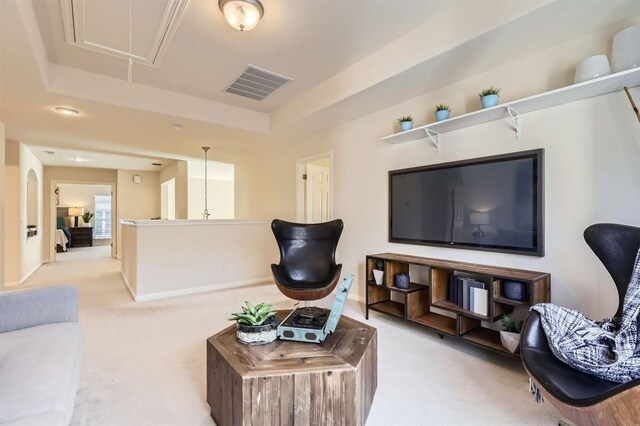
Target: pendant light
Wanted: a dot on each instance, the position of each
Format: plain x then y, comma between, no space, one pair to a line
243,15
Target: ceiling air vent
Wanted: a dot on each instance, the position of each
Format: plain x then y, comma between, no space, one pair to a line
256,83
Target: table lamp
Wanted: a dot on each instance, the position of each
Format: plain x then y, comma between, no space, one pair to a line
75,212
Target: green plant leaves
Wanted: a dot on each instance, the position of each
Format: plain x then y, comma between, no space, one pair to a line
490,91
253,314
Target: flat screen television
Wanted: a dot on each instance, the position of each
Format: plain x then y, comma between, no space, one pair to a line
492,203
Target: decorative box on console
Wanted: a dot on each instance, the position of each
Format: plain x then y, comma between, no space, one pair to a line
515,290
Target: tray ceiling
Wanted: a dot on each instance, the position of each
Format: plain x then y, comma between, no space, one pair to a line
104,27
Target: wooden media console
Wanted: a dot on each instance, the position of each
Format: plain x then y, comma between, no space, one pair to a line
427,300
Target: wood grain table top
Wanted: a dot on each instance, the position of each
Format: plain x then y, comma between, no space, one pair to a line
341,350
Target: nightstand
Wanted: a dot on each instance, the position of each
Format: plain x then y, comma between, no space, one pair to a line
81,236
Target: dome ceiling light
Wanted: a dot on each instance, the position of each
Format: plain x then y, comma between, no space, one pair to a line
243,15
66,110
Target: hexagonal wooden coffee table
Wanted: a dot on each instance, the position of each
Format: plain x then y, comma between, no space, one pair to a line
287,383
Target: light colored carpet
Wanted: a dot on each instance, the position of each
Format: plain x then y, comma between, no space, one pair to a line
84,253
145,363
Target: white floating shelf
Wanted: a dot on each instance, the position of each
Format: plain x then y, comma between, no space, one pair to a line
512,110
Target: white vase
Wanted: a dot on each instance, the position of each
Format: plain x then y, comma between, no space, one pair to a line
377,276
625,53
511,341
592,67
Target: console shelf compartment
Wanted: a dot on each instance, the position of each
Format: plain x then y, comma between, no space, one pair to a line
389,307
427,303
412,287
437,322
513,110
452,307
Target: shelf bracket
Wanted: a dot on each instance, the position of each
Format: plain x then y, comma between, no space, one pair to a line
515,120
435,138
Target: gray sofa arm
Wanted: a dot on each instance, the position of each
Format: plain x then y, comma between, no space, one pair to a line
23,309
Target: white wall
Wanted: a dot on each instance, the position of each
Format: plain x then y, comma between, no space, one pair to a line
137,200
2,203
592,171
220,190
172,258
12,230
31,256
219,198
178,171
244,180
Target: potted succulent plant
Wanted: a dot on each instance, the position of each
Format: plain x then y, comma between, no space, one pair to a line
510,336
86,218
378,271
442,112
489,97
406,123
256,324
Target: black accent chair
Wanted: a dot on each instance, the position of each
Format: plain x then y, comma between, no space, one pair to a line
582,398
307,268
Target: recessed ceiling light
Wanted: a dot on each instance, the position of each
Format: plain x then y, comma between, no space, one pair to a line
156,164
78,159
50,152
67,111
176,126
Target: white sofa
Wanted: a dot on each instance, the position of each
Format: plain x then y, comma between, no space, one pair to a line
41,347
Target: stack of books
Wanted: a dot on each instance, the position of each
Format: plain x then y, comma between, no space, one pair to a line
469,294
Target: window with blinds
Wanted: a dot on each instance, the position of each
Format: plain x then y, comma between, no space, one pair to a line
102,227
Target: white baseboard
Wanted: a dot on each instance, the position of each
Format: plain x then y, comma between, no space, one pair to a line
195,290
27,275
126,283
359,299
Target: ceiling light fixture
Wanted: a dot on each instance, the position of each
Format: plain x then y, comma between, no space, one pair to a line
78,159
176,126
243,15
67,111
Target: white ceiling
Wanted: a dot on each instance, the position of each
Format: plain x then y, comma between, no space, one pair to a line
348,58
51,156
306,40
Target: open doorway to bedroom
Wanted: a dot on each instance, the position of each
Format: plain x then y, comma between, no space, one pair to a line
83,221
314,188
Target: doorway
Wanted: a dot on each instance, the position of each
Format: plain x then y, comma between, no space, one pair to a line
82,225
314,188
168,199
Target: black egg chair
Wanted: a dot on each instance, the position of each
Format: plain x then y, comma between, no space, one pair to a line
582,398
307,268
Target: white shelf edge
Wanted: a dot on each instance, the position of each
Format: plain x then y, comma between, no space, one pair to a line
575,92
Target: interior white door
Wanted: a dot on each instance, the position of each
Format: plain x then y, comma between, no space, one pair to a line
317,194
168,199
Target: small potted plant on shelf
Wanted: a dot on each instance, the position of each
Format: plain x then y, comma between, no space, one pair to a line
442,112
489,97
510,336
86,218
406,123
378,271
256,324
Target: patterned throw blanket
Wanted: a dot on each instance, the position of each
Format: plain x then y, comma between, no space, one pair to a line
610,349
